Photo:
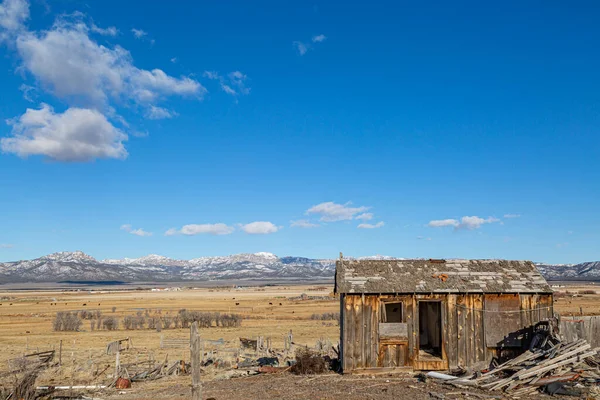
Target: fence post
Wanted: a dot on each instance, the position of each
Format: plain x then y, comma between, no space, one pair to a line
195,360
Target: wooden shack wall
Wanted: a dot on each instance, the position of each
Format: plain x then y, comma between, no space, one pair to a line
463,329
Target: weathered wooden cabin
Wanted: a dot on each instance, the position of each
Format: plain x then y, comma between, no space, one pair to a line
436,314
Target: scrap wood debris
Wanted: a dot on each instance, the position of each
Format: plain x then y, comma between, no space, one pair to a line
550,366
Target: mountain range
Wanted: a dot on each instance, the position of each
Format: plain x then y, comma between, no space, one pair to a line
78,266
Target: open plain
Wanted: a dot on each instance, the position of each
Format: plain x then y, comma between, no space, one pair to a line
26,326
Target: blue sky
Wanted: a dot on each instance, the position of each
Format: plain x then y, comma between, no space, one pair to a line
435,129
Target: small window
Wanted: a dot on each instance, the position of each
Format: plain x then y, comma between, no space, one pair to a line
392,312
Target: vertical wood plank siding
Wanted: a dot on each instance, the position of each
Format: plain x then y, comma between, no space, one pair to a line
463,329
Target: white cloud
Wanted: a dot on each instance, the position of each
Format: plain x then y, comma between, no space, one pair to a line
13,14
78,134
159,113
438,223
6,246
364,216
197,229
475,222
110,31
330,211
301,47
174,60
423,238
466,222
319,38
66,62
260,228
512,215
138,232
371,226
303,223
139,33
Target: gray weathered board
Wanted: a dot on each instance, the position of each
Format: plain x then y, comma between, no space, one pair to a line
393,330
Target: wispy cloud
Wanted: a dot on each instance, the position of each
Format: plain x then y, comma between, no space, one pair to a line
139,33
110,31
234,84
364,216
174,60
371,226
423,238
467,222
155,112
331,212
138,232
198,229
303,223
302,47
6,246
260,228
512,215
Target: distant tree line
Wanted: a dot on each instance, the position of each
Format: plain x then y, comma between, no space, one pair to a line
72,321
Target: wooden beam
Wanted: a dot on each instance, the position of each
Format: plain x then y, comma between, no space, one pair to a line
195,360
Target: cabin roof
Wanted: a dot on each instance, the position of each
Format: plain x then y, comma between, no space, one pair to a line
438,276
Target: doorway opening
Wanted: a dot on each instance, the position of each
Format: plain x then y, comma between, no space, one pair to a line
430,330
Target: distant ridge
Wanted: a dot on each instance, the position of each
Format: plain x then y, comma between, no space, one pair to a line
79,267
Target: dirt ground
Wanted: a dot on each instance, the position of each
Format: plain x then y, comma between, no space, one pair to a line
323,387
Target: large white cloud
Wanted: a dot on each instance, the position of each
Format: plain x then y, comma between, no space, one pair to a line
67,62
330,211
197,229
78,134
260,228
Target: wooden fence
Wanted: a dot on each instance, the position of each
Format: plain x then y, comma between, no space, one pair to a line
584,327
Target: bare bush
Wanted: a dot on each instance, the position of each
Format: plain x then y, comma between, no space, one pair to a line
587,291
114,309
326,317
110,323
66,322
309,362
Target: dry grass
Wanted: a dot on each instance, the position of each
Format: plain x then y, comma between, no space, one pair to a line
26,320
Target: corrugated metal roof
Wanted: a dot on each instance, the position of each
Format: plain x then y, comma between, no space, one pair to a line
438,276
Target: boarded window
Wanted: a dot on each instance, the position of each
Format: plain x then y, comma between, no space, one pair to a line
392,326
502,321
393,312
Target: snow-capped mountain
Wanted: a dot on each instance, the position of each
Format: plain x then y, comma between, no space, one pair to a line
78,266
587,271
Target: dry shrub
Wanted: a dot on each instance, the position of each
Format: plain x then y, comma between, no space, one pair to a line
110,323
309,362
66,322
587,291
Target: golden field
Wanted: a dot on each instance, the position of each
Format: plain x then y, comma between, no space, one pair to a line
26,322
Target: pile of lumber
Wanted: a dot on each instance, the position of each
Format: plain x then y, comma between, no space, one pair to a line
553,365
